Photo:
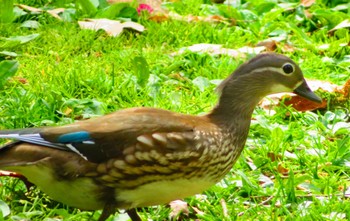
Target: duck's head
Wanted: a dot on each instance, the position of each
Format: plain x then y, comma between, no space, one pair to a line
265,74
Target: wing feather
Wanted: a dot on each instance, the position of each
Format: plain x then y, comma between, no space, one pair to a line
108,136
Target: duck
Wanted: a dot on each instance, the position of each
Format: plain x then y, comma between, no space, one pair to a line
140,157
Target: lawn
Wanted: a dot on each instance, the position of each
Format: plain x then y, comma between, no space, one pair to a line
296,165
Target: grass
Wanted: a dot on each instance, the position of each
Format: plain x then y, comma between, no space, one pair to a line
295,165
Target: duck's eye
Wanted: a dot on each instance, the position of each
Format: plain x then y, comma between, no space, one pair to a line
288,68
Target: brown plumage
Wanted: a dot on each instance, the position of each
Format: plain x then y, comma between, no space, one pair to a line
145,156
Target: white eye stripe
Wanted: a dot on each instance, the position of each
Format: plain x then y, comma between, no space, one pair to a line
271,69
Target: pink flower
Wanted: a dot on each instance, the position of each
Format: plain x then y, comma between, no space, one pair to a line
144,7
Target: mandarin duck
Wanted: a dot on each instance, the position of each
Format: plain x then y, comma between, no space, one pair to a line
141,157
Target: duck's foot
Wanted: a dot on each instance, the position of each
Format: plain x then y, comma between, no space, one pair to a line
133,215
17,175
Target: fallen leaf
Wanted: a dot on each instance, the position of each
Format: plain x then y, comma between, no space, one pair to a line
270,45
290,155
224,208
335,216
217,49
4,209
198,211
98,54
195,18
316,152
273,157
323,174
302,104
21,80
178,207
251,164
53,12
308,14
29,8
214,18
112,27
265,181
159,18
343,24
307,3
282,170
345,89
288,48
340,188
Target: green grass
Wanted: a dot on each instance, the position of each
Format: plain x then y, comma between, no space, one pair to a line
74,74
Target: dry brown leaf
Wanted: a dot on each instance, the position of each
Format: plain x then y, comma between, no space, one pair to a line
112,27
252,166
217,49
343,24
307,3
178,77
20,80
178,207
29,8
195,18
98,54
307,13
282,170
214,18
159,18
53,12
273,157
323,174
302,104
302,188
224,208
270,45
198,211
288,48
346,89
323,85
265,181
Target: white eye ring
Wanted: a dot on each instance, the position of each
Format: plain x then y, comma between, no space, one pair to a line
288,68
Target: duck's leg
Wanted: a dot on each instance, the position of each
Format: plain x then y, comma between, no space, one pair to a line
108,210
133,215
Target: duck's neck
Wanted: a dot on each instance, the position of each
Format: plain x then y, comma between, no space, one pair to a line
236,105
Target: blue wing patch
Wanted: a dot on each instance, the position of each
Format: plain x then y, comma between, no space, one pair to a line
74,137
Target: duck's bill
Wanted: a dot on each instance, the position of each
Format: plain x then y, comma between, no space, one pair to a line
304,91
